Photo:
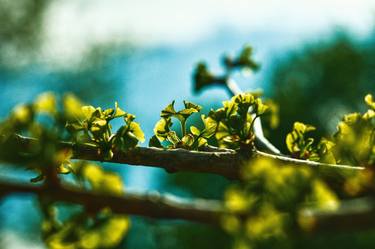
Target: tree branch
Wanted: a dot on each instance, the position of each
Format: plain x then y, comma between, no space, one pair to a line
150,205
352,215
226,163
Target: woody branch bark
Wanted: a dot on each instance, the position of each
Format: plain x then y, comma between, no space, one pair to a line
226,163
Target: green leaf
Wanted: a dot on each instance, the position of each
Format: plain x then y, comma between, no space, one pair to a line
161,128
291,143
129,117
173,138
108,114
230,107
72,107
185,113
370,101
243,61
370,114
217,115
202,142
135,128
88,111
154,142
222,131
210,126
108,155
168,111
236,122
22,114
118,112
352,118
130,141
98,128
302,128
300,146
194,130
244,99
325,147
190,108
99,122
260,108
188,140
95,130
190,105
128,136
202,77
102,181
46,103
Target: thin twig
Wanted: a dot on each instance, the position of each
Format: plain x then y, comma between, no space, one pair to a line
295,161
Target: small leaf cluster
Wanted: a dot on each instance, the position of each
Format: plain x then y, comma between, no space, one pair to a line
43,119
203,77
25,118
231,125
353,143
191,138
92,127
304,147
242,61
51,121
88,227
234,121
271,119
355,136
264,207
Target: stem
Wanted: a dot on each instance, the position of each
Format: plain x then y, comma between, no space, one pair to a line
252,122
183,128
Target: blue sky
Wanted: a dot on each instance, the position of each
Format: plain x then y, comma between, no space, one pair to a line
72,26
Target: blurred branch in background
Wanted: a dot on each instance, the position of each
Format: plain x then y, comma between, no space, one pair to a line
357,214
151,205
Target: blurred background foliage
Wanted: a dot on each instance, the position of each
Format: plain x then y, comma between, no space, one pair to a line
313,82
321,82
20,30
